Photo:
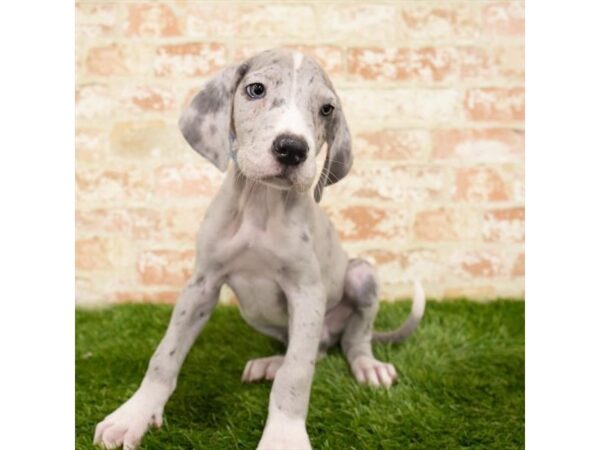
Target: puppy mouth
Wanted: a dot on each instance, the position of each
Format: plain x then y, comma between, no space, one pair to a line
281,181
285,178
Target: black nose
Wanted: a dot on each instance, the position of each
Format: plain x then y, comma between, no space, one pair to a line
290,150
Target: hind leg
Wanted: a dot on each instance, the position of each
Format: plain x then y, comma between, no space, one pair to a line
360,291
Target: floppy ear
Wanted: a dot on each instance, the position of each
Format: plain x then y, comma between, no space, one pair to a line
206,122
338,160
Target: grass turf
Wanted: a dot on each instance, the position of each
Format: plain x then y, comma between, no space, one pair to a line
460,383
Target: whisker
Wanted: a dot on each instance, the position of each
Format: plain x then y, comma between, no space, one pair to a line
335,178
333,161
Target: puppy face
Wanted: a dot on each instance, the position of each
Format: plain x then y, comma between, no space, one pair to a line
272,114
283,97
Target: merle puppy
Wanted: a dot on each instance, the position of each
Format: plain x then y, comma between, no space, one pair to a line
265,236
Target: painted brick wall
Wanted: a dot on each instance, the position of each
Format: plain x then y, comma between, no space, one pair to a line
434,96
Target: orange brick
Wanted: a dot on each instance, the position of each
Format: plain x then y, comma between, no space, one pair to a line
447,224
518,269
107,60
513,175
504,225
165,267
364,220
424,65
152,20
504,19
401,184
359,222
436,225
141,99
112,185
94,20
187,180
493,144
381,256
438,22
504,63
519,185
189,60
118,59
437,64
341,21
478,264
91,254
480,184
495,104
137,223
91,144
392,144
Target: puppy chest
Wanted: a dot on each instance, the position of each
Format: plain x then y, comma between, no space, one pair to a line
261,300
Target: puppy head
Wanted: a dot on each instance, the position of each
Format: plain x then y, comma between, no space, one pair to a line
272,114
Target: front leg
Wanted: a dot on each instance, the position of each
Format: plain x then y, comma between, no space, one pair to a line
126,425
290,394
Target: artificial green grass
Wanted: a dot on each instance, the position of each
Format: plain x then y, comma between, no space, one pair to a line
460,383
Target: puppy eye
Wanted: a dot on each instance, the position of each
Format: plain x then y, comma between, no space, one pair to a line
326,109
256,90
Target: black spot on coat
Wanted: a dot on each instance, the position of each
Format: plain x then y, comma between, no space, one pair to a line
277,103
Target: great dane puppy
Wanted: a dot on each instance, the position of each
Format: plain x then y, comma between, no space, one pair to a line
265,236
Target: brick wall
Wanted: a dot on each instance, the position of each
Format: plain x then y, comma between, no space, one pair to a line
434,96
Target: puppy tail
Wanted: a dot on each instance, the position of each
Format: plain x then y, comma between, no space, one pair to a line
416,314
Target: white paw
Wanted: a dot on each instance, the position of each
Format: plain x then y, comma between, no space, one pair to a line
374,372
284,435
127,424
262,368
